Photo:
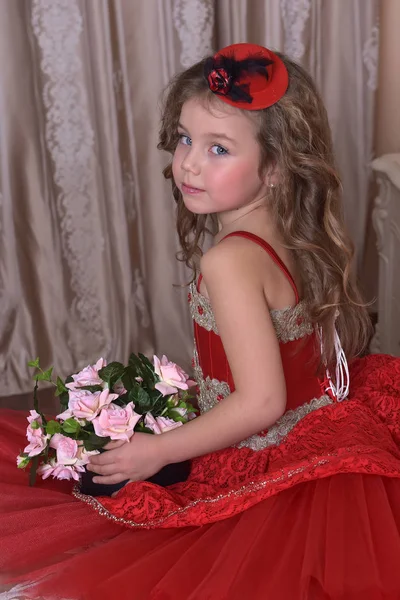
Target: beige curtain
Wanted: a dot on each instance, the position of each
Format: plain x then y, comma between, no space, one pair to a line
87,236
388,100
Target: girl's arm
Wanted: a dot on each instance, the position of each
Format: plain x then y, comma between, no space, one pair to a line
234,273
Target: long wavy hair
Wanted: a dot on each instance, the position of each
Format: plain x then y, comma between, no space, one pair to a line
294,136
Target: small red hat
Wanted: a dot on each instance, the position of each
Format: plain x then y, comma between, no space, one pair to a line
247,76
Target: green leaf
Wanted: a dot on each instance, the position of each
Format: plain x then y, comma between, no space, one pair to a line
92,388
142,428
61,387
139,370
64,400
34,363
111,373
141,399
95,442
128,378
45,375
53,427
71,426
149,367
191,408
24,463
35,425
177,418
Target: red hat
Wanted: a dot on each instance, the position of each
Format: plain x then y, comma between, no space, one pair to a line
247,76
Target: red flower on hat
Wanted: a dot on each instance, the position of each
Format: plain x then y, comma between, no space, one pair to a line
219,81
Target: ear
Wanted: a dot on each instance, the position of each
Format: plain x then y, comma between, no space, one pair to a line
272,176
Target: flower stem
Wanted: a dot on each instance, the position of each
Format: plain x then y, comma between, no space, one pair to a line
35,398
32,474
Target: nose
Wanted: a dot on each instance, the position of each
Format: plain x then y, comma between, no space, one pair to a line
191,162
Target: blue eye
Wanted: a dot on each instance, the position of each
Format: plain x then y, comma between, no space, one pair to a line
185,139
220,150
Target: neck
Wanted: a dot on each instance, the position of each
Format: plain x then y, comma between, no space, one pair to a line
229,218
254,218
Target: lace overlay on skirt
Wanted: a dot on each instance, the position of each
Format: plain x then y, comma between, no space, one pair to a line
320,439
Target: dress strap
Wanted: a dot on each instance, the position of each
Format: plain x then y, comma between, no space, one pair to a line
271,252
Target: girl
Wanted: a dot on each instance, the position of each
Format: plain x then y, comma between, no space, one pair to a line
294,491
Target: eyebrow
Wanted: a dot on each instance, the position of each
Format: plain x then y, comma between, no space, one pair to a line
211,134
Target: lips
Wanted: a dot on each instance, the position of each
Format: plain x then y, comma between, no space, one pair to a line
188,189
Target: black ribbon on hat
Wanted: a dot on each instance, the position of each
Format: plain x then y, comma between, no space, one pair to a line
223,74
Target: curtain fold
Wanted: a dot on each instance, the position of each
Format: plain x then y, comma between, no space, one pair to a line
87,222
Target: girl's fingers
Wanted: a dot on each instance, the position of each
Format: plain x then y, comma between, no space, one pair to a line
115,444
107,458
102,469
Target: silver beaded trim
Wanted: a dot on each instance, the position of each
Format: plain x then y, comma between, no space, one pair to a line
211,391
277,433
292,323
200,309
248,488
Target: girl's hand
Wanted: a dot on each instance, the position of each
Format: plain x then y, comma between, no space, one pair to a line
136,460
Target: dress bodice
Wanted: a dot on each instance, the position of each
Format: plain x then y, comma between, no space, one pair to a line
299,353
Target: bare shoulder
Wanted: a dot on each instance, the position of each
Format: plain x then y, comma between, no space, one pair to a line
234,256
233,276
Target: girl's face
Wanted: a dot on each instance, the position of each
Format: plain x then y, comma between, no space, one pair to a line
215,164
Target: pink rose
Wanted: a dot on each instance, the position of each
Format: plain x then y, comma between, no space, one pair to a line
70,460
34,416
46,469
36,437
88,376
172,377
58,471
116,422
67,472
66,448
83,404
160,424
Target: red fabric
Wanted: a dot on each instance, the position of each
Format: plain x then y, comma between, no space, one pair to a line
330,531
300,360
264,91
316,517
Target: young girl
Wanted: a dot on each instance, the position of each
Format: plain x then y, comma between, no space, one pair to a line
294,491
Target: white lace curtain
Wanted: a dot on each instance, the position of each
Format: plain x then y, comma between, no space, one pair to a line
87,238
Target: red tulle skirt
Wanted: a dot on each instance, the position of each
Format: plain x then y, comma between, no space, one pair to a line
316,517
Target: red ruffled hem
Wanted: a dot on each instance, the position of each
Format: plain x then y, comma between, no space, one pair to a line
337,538
318,534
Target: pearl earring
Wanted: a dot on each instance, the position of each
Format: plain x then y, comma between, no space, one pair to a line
271,185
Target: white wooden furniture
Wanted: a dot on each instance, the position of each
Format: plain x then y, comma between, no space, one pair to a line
386,220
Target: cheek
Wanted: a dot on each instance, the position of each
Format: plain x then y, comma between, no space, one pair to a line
175,164
177,160
236,176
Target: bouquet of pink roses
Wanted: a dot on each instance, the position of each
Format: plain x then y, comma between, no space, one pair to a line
103,403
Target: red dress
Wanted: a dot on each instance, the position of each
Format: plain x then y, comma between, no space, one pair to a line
309,509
